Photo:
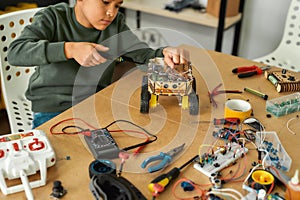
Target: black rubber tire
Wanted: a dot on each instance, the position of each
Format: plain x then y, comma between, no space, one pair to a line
194,85
145,96
193,104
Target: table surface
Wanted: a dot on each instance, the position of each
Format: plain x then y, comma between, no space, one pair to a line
156,7
172,125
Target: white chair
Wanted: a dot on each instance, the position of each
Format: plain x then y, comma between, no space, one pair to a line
287,54
14,79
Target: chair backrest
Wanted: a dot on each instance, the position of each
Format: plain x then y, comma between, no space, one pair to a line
286,55
14,79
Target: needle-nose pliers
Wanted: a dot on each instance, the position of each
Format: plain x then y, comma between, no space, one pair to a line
165,158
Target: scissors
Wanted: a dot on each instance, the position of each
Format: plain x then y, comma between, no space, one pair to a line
248,71
165,158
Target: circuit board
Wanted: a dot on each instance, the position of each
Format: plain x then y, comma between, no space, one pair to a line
223,157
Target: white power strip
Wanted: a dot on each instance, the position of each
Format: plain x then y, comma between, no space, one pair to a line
219,160
24,154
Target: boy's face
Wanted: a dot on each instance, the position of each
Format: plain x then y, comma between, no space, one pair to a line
97,14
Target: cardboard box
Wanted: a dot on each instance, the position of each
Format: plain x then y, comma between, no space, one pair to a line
213,7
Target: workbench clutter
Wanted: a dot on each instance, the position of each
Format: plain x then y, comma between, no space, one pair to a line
213,7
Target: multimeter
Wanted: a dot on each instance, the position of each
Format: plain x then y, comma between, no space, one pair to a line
102,144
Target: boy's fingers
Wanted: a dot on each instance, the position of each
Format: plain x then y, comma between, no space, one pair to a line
100,47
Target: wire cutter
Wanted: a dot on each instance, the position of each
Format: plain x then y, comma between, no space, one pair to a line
165,158
248,71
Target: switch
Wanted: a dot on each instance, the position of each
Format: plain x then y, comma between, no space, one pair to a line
36,145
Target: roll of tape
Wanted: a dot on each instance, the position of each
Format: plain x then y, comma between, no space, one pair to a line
237,108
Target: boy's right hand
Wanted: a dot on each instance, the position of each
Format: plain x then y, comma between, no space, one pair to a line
85,53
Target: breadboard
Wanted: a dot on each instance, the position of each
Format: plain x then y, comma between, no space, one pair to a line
219,160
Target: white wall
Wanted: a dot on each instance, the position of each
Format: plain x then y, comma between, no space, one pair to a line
262,28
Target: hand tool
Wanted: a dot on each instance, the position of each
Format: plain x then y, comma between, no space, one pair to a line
162,181
248,71
165,158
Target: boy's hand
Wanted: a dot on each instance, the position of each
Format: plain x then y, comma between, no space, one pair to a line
85,53
173,56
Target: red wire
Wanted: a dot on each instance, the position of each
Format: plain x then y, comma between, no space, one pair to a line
199,191
69,119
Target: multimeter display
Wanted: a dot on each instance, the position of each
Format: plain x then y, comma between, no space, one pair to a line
102,144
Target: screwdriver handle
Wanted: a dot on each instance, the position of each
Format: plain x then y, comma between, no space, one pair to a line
164,179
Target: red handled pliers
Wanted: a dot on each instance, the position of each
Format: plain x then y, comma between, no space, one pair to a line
248,71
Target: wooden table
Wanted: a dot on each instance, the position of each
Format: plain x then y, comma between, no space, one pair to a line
221,23
171,125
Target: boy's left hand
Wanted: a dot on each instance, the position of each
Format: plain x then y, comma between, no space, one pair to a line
173,56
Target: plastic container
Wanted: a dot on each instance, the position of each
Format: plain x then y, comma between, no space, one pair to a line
284,105
277,156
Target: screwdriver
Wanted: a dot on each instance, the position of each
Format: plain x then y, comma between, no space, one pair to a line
161,182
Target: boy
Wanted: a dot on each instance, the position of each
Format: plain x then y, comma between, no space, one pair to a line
71,46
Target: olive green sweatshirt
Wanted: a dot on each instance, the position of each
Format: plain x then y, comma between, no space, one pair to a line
59,83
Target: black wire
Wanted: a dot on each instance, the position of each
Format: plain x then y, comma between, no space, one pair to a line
188,162
139,144
72,126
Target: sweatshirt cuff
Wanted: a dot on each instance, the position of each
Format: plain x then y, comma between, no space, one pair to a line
159,52
55,52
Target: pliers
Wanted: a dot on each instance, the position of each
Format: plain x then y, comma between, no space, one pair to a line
165,158
248,71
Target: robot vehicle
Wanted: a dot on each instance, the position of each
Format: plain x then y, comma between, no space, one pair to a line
164,80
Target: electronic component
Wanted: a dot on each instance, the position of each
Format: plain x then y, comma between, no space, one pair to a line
102,145
58,190
226,134
261,179
284,81
276,156
224,156
284,105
